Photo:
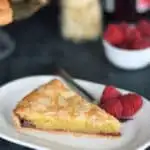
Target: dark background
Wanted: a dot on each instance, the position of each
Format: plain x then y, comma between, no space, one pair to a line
38,43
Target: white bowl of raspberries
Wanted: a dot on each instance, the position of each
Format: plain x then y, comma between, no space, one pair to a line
128,46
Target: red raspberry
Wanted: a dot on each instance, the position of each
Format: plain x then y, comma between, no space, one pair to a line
113,107
125,45
140,44
114,34
132,34
131,103
124,26
144,27
110,92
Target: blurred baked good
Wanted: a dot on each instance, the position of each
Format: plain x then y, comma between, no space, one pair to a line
6,13
26,8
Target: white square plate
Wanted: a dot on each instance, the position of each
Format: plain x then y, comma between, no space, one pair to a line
135,133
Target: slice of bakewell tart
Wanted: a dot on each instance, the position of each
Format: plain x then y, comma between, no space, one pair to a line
55,108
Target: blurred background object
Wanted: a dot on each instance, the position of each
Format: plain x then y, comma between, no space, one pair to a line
126,10
81,19
26,8
7,47
7,44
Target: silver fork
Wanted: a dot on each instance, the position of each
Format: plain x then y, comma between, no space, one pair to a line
73,85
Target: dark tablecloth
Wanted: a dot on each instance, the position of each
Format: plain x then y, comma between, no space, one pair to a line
38,43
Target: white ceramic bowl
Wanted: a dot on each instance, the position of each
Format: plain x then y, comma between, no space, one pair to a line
127,59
